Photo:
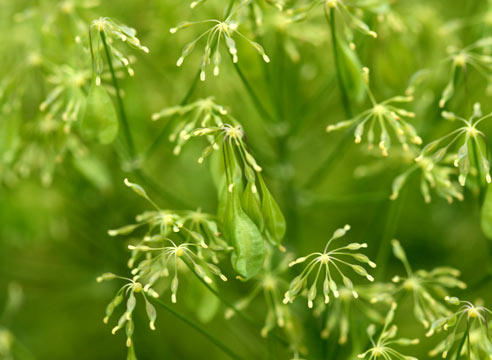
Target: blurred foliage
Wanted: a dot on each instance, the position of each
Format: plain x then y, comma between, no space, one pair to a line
60,192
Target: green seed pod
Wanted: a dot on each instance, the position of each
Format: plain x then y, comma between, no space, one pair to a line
249,247
251,204
274,219
100,120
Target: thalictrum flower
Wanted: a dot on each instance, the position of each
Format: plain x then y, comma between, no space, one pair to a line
433,176
384,116
202,113
128,291
383,346
341,310
469,335
350,14
472,145
330,261
227,30
428,288
474,56
161,252
108,30
271,284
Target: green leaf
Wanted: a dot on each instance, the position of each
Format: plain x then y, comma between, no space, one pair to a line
486,215
100,120
274,219
249,247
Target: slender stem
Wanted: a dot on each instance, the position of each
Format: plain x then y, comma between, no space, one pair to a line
198,328
123,118
392,218
336,154
166,128
343,91
463,339
256,101
236,310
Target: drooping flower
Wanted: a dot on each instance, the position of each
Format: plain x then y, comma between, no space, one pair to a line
107,31
383,116
330,262
341,310
128,291
468,332
227,30
271,284
474,56
472,145
433,176
428,288
383,346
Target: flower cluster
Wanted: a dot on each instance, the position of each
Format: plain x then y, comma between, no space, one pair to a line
472,145
227,30
174,241
435,176
341,310
383,346
330,260
384,115
428,288
350,13
202,113
473,341
249,212
107,31
475,56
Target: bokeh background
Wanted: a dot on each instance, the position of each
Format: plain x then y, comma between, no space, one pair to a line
55,212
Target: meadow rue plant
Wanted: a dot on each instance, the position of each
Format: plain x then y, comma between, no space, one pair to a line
231,216
428,288
384,116
227,30
341,310
271,285
350,12
329,261
439,177
203,113
472,151
382,347
474,56
468,331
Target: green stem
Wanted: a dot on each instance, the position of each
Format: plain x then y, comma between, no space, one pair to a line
463,339
123,118
166,128
392,218
198,328
343,91
236,310
256,101
336,154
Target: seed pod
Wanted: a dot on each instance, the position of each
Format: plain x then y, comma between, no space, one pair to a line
249,247
274,219
251,204
100,120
